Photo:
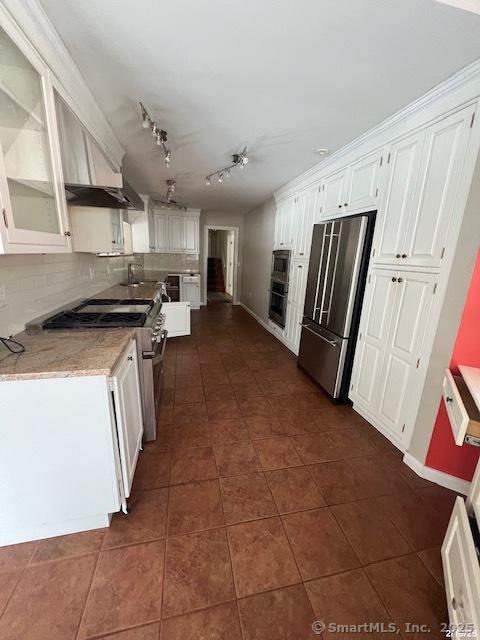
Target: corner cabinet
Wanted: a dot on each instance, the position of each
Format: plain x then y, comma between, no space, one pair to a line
32,197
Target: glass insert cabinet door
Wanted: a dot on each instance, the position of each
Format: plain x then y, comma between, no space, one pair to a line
31,189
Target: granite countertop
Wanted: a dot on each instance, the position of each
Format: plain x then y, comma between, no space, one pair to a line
64,354
124,292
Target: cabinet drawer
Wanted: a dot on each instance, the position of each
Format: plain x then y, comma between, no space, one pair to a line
461,572
462,412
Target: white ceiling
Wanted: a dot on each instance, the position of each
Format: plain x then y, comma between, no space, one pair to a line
284,77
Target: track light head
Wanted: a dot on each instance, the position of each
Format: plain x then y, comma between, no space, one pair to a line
168,157
207,181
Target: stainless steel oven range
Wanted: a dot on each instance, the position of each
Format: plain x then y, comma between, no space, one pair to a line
151,336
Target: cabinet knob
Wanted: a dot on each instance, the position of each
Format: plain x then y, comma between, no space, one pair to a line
394,279
340,206
130,358
404,255
346,204
400,280
67,233
301,253
398,255
448,399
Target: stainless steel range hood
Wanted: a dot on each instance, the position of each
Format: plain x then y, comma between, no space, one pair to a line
90,180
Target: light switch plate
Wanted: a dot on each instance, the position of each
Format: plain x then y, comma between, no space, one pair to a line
3,296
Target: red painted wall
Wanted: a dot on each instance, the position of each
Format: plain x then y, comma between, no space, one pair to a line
443,454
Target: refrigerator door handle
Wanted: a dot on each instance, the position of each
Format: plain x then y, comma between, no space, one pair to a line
332,343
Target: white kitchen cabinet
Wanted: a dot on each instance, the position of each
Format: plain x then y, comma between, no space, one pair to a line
423,175
160,222
191,234
297,286
461,567
190,290
98,230
32,197
183,232
177,318
128,413
176,234
413,300
305,217
435,199
72,465
362,183
403,164
392,329
333,193
284,224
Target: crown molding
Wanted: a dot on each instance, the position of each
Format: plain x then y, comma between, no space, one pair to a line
31,19
467,79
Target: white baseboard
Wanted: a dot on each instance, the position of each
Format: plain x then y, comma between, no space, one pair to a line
434,475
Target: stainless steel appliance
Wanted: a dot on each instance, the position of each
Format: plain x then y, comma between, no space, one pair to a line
280,265
277,310
335,286
151,337
278,302
89,178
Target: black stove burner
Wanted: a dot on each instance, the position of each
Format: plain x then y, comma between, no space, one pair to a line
76,320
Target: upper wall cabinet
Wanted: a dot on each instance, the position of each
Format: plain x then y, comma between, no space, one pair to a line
423,176
34,216
174,232
100,230
353,189
305,216
283,238
333,193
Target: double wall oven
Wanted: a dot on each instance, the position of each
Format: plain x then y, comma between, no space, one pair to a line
151,337
279,287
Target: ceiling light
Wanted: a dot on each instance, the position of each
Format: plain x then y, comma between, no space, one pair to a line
160,135
321,151
238,160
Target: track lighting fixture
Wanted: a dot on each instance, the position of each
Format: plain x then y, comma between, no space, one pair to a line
160,135
238,160
169,202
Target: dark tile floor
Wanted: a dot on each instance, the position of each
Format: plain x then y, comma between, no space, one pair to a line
259,509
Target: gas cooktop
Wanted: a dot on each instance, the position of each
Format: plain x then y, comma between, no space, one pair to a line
96,313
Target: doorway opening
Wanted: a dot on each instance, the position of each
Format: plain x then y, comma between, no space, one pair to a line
220,264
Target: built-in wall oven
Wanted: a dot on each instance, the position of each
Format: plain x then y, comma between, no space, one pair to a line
277,311
280,265
278,302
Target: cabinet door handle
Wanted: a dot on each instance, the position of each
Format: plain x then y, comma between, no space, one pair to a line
400,280
394,279
448,399
398,255
404,255
67,233
130,358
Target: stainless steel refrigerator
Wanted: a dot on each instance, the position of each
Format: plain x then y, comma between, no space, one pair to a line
335,286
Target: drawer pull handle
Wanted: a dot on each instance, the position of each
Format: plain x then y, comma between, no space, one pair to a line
454,604
448,399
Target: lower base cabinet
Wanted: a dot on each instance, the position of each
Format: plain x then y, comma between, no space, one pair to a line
68,455
177,318
461,565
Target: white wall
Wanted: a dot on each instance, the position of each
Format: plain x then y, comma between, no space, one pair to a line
37,284
225,219
259,226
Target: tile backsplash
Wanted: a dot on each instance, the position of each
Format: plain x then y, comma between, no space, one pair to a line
169,262
37,284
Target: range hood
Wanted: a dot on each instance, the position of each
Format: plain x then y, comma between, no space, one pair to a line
90,180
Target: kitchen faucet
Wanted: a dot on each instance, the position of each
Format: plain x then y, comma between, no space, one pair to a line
130,276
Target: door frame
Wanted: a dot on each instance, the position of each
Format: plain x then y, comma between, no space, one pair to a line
220,227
